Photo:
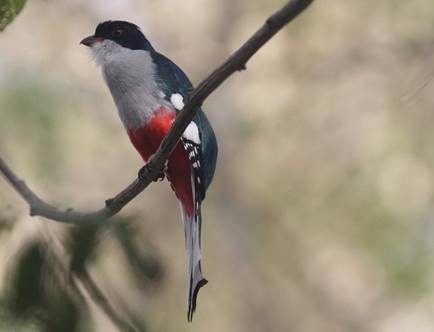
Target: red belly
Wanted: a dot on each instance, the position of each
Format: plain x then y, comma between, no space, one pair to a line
147,139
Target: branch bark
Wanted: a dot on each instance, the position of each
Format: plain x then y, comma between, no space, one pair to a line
236,62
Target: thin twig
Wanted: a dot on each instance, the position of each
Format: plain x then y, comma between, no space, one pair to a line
95,293
236,62
102,301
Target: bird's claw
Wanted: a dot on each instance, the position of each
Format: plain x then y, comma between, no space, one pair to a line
145,170
160,177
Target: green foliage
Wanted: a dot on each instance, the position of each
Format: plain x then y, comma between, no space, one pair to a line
26,281
82,247
36,295
143,262
41,293
9,9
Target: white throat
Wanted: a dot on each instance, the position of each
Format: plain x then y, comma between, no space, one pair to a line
130,76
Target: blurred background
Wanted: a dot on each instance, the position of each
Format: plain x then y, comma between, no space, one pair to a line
321,214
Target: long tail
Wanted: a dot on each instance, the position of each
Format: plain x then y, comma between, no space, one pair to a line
192,227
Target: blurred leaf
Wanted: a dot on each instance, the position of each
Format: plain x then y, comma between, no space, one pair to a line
144,263
63,312
26,280
36,295
82,246
9,9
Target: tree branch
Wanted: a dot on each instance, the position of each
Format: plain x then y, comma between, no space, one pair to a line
236,62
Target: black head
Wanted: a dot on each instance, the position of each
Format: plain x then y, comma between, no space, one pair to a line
124,33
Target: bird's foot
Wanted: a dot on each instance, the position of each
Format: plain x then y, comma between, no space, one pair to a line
160,177
145,170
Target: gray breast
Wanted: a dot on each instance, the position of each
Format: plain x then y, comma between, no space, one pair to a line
130,76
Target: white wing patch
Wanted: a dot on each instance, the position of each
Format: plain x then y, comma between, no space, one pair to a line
177,101
191,133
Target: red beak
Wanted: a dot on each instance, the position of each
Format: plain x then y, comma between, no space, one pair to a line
89,41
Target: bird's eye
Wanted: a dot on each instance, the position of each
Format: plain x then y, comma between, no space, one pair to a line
117,32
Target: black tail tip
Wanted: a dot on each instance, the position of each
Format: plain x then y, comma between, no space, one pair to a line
193,299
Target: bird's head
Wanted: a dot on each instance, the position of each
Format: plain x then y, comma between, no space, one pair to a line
115,36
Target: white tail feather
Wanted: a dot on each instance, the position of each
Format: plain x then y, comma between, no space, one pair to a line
192,243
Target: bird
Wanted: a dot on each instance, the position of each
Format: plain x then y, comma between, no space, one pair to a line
149,90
